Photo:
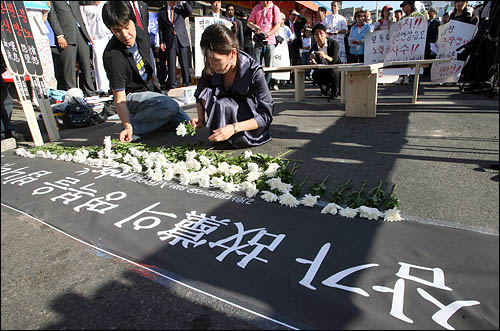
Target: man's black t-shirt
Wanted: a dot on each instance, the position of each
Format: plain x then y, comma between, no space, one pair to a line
129,69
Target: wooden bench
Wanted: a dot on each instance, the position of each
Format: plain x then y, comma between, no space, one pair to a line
359,82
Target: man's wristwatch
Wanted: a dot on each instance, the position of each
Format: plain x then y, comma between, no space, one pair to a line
234,127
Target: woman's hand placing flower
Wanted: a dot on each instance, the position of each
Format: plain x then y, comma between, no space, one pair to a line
198,123
223,133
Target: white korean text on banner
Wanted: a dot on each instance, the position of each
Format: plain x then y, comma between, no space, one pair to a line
407,40
451,36
200,24
340,40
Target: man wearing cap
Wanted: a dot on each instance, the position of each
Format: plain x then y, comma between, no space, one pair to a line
384,23
325,51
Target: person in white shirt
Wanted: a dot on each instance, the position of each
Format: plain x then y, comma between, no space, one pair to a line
335,23
92,17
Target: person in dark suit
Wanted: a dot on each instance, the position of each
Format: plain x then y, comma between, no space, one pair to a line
247,35
142,8
216,10
325,51
237,25
432,37
174,40
72,40
296,22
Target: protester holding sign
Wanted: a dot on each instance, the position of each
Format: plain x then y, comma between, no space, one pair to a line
232,92
139,103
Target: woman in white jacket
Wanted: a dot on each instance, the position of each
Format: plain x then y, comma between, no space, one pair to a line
100,34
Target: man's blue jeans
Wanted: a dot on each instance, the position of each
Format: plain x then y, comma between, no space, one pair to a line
150,110
264,53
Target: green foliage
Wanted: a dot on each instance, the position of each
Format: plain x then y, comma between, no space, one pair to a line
338,193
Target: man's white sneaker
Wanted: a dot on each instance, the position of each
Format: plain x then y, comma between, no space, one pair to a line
276,88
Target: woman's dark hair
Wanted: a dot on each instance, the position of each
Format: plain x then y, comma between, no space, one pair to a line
217,39
117,13
362,12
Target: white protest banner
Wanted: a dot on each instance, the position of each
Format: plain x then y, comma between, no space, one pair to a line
407,40
451,36
281,58
376,46
342,52
200,24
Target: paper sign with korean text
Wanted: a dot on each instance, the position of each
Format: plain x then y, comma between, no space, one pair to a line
200,24
407,40
451,36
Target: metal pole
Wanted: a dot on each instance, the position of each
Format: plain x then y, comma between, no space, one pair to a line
376,11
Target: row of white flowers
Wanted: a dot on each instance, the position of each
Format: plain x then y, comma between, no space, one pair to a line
199,170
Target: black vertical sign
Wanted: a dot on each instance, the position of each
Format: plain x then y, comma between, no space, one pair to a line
19,35
28,36
9,45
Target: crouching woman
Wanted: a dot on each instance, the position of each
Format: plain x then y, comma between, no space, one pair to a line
232,92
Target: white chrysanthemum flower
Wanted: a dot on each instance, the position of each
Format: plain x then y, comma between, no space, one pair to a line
348,212
248,154
217,182
21,151
223,167
126,168
251,192
204,180
155,175
247,185
210,170
168,174
193,164
309,200
106,162
191,155
179,167
181,130
41,154
253,176
289,200
137,168
114,164
284,187
148,163
229,187
85,152
271,170
185,177
274,183
269,196
370,213
107,142
331,208
392,215
235,170
252,167
205,160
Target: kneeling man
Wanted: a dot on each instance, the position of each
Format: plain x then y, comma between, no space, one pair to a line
139,103
325,51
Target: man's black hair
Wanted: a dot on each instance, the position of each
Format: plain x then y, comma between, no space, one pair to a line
231,5
322,9
117,13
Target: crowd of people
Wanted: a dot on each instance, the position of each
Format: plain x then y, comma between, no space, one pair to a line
232,96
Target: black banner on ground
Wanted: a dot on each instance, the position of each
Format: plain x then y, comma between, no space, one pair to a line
293,265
